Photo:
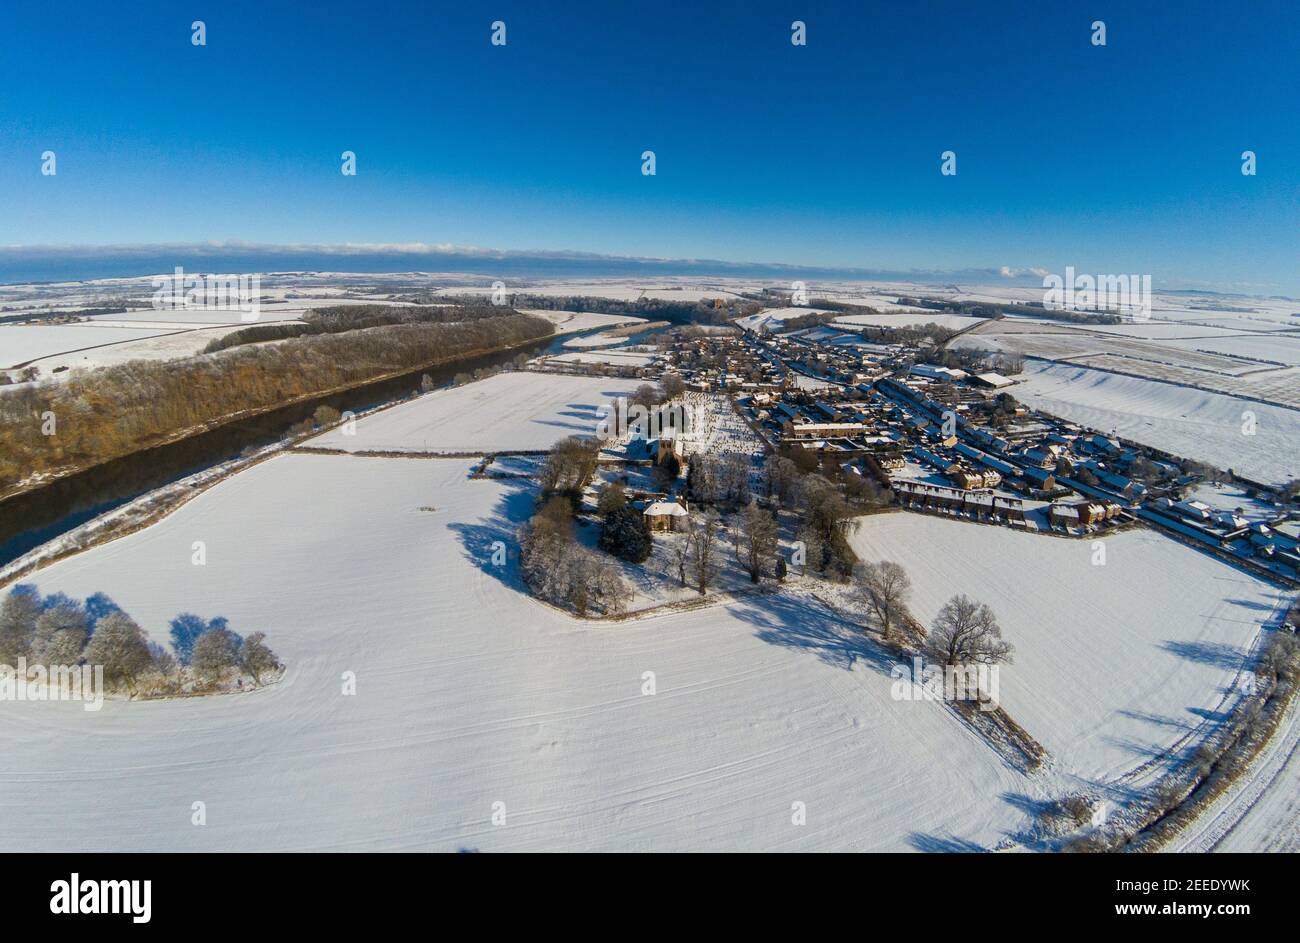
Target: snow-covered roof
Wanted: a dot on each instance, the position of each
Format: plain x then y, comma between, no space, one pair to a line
666,507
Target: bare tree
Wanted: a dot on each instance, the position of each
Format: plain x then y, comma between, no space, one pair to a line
18,615
60,634
682,556
966,632
755,540
119,644
702,541
672,386
608,588
885,588
216,652
256,657
781,476
569,466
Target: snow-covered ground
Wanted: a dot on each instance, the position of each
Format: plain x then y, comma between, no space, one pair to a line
910,319
569,322
1115,664
511,411
1186,422
772,317
21,343
469,693
626,358
603,339
716,428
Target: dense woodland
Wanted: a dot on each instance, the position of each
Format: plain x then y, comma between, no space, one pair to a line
709,311
339,319
98,415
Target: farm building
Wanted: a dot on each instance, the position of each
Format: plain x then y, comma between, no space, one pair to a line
994,381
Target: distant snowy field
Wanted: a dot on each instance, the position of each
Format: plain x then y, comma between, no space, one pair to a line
1186,422
1114,664
523,411
626,358
469,693
771,318
20,343
913,318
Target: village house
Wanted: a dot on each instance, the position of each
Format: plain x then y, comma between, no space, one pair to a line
666,516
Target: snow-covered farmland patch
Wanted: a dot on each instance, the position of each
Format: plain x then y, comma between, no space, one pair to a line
1187,422
1114,664
470,693
625,358
1276,347
21,343
954,322
507,412
569,322
771,318
603,339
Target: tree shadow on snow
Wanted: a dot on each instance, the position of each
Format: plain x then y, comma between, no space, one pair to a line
934,844
792,623
1158,719
481,541
1217,654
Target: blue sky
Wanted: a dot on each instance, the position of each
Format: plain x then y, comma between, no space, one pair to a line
1117,159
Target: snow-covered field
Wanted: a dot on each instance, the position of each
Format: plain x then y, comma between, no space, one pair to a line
910,319
21,343
626,358
1186,422
1114,664
568,322
771,318
511,411
468,694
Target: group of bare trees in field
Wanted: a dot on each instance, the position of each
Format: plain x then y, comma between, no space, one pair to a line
561,571
97,415
554,565
57,630
964,632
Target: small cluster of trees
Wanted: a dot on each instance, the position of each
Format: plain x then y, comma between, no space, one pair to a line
669,388
58,630
975,360
697,554
964,632
563,572
825,521
569,468
719,480
623,532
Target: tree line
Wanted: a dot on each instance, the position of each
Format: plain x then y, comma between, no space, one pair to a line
707,311
339,319
98,415
57,630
